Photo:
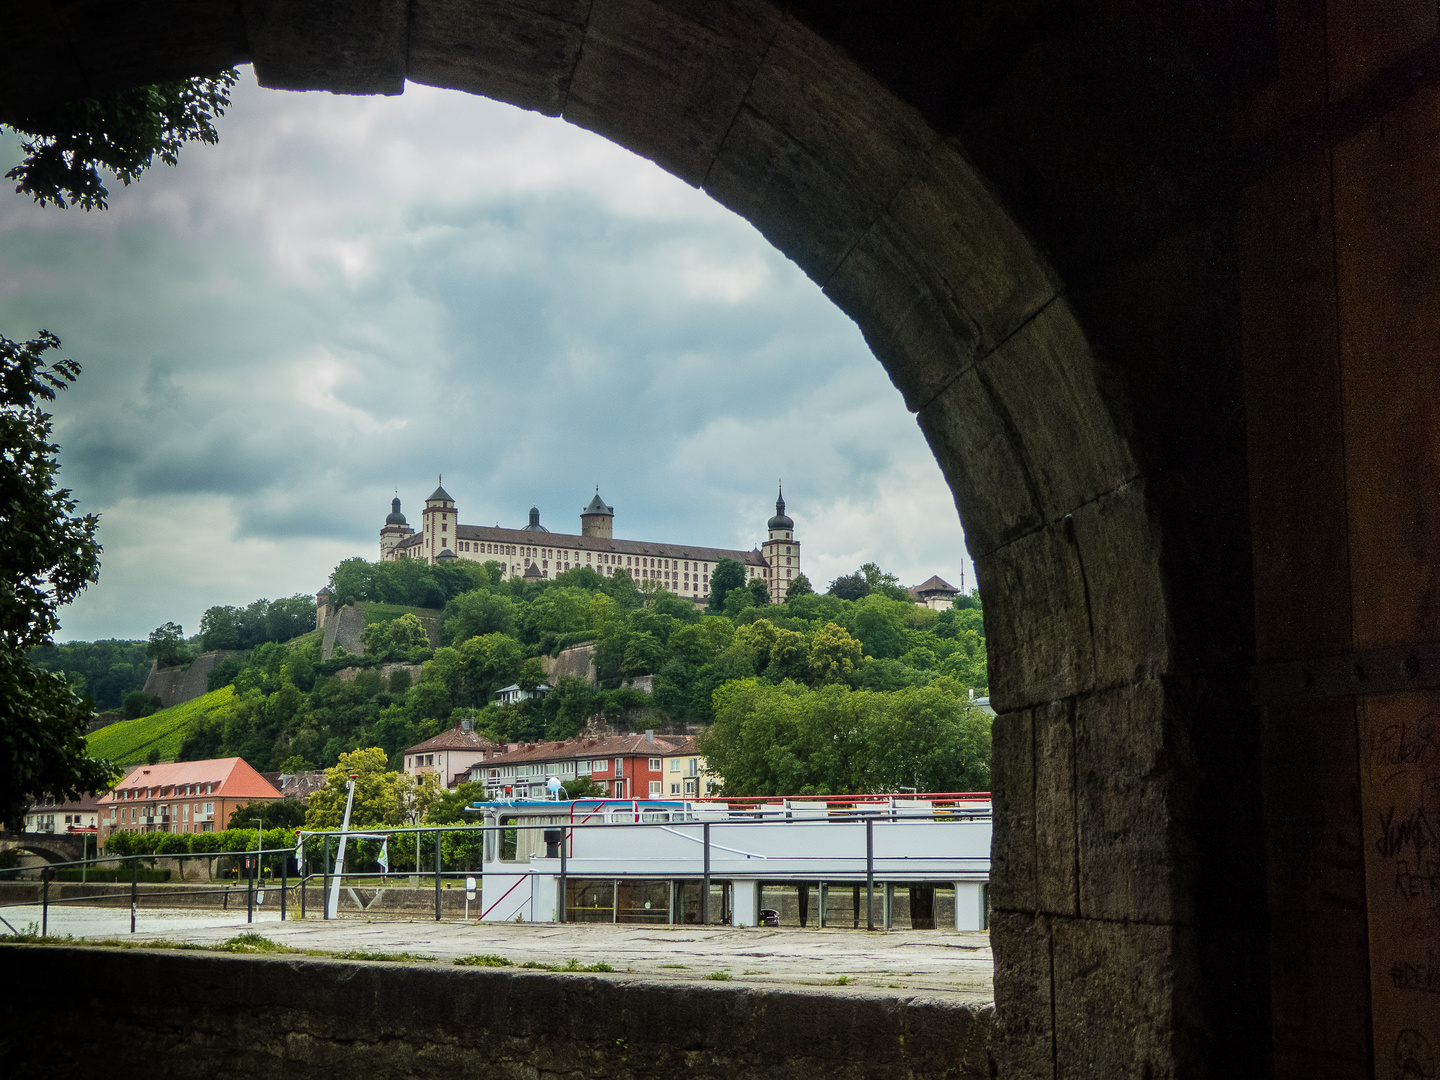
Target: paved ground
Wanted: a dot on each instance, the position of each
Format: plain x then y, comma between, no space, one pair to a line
909,961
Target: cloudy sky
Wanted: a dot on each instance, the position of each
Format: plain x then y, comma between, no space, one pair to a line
350,296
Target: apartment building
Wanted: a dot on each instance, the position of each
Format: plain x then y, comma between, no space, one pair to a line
185,796
624,766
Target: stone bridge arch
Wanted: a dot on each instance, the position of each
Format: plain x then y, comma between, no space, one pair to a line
1118,259
52,847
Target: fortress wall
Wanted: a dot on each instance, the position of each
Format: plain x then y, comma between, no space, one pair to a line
176,685
578,661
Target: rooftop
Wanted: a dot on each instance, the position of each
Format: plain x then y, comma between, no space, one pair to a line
235,777
457,738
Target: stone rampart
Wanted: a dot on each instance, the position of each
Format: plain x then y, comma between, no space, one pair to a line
262,1017
180,684
578,661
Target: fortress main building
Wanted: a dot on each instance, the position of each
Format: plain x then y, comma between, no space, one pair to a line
535,552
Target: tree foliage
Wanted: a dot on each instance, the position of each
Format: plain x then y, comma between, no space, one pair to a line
225,627
382,797
47,556
770,739
67,145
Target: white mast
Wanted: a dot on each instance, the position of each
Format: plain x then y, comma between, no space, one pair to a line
332,905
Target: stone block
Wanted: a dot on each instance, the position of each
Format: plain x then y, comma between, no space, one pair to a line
1024,1033
1056,854
1037,621
1119,551
1126,772
344,46
977,449
958,277
1012,783
664,78
1114,991
115,44
518,51
817,152
1044,381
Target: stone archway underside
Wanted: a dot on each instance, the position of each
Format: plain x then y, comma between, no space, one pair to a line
1116,954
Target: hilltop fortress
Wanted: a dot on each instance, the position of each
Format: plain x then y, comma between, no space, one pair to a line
533,551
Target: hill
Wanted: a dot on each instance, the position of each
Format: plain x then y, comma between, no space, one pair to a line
130,742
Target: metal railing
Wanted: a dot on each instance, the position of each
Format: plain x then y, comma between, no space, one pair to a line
858,811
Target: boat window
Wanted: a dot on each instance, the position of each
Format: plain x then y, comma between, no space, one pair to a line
509,839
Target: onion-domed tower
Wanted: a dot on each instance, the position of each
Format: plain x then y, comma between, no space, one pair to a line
781,551
396,530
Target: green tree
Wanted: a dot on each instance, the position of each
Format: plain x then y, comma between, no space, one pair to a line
799,587
47,556
930,738
137,703
382,797
477,612
123,132
398,639
167,645
759,591
834,655
850,587
728,576
281,814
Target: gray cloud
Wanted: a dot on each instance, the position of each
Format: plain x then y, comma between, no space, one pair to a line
349,296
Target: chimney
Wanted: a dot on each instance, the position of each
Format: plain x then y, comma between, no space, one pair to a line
464,725
649,735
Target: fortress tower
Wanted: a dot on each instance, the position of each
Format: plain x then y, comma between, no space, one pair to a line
396,530
597,519
440,525
782,552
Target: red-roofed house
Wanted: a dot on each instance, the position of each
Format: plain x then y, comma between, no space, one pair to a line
186,796
936,594
449,755
625,766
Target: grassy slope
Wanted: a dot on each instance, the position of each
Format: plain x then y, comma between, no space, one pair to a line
376,613
130,741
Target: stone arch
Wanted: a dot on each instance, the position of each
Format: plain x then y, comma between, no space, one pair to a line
49,848
1048,396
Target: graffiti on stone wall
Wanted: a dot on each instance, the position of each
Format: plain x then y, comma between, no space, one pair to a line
1400,790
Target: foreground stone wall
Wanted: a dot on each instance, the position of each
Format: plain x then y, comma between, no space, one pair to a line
298,1018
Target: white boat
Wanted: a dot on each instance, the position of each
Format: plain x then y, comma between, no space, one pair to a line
650,861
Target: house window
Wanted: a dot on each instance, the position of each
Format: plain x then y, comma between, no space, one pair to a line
675,764
601,766
654,764
583,768
694,767
674,789
619,766
654,787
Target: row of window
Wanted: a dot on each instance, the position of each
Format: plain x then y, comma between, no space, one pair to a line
588,768
130,814
179,792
